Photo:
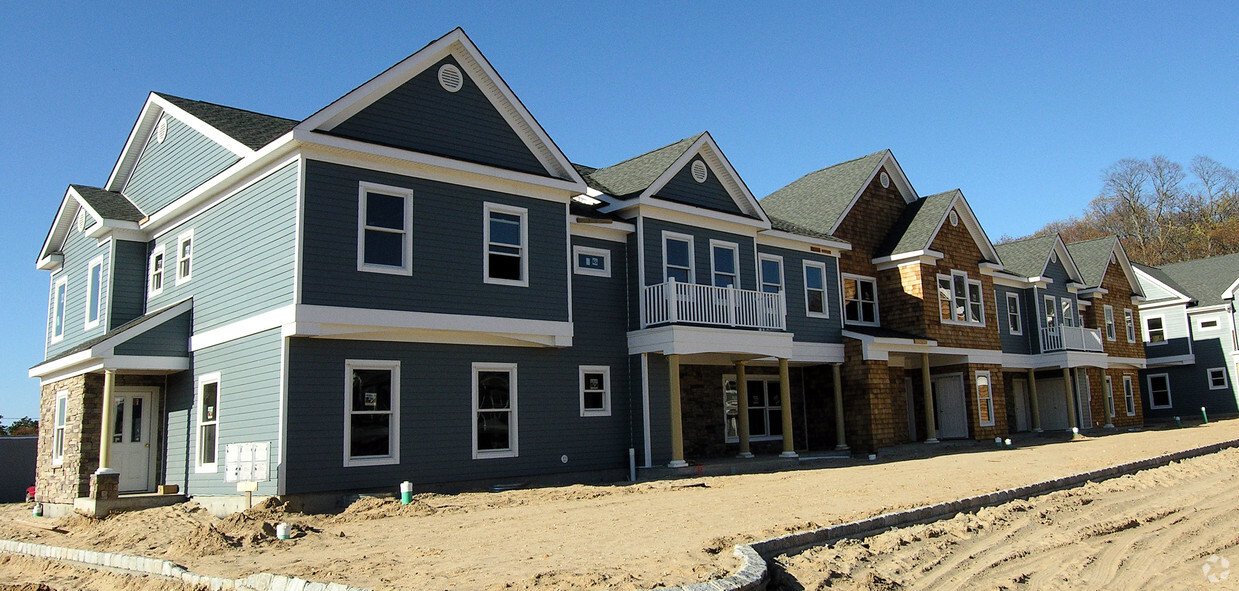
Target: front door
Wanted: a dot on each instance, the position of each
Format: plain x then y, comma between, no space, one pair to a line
131,439
949,407
1052,400
1020,396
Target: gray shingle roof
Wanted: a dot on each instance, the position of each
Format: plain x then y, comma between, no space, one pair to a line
817,200
1203,279
634,175
140,320
109,204
1092,257
1026,257
790,227
916,225
255,130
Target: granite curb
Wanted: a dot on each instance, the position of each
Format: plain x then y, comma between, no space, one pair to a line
754,571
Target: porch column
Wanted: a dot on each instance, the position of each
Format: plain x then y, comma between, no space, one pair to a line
1032,400
785,403
840,436
1071,400
677,428
742,419
927,388
105,430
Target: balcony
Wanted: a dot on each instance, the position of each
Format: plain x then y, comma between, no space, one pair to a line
1070,338
705,305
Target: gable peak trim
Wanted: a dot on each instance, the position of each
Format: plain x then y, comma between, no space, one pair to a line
898,177
717,162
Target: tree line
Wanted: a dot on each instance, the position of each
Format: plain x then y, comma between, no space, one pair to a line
1162,211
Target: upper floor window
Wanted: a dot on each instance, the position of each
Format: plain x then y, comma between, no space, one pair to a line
1129,320
1155,330
771,273
1068,318
860,300
959,299
184,257
1207,324
60,290
724,259
384,229
155,283
1014,319
677,257
1111,331
507,239
1050,310
815,289
94,293
591,261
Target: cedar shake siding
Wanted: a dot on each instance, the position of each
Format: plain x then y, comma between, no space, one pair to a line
867,225
961,254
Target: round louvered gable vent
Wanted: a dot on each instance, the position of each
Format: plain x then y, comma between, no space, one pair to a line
954,218
700,172
885,179
451,78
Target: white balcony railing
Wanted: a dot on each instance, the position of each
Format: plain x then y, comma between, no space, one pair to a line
1070,338
676,302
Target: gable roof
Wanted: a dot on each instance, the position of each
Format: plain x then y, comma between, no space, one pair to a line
921,221
1206,280
1030,257
108,208
1092,257
633,176
104,204
457,44
255,130
821,199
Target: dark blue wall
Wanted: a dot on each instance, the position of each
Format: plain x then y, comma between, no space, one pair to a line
710,194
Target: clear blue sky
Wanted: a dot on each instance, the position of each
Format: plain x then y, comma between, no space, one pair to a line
1019,105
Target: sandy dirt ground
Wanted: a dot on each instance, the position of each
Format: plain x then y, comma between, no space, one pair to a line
645,535
1168,528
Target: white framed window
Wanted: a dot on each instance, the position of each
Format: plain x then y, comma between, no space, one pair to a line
371,412
1015,322
595,391
184,257
207,459
1050,310
1154,330
1206,324
960,300
771,271
765,408
1110,395
1067,317
1129,395
60,292
815,302
58,429
1217,378
494,411
1159,390
154,284
506,259
725,263
1129,323
677,257
1111,331
384,229
94,293
591,261
860,300
985,400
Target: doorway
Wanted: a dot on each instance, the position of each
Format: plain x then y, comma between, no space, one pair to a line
949,406
132,437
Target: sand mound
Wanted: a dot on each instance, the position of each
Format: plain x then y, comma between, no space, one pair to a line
369,508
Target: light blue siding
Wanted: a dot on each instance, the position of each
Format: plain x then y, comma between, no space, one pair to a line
79,250
166,171
128,292
169,339
1175,324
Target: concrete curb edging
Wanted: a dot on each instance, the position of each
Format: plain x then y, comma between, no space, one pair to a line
754,571
141,565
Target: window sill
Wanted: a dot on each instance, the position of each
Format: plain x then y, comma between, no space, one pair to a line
385,270
371,461
507,282
959,323
501,453
596,413
817,314
207,469
859,323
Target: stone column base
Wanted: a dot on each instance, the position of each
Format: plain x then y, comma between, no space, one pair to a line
104,486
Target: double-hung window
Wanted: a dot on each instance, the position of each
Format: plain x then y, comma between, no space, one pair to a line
58,431
1159,390
815,289
771,273
960,300
1068,318
725,263
507,245
860,300
494,410
1129,396
1014,319
1155,330
60,291
677,257
384,229
154,285
94,293
208,423
372,412
1051,313
985,400
595,391
184,257
1110,395
1129,321
1111,330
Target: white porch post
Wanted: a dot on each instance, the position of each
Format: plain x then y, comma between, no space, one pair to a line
105,430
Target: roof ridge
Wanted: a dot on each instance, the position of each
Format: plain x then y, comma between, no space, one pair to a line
181,98
835,165
647,153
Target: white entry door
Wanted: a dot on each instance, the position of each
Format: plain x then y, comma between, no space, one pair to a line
949,407
131,439
1019,395
1052,400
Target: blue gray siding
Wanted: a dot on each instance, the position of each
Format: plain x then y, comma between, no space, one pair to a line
710,194
653,230
244,253
178,424
660,409
79,250
436,414
804,328
166,171
447,250
1178,335
128,293
169,339
422,116
1024,343
1058,289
